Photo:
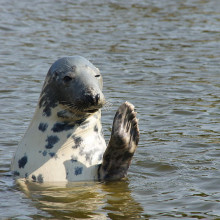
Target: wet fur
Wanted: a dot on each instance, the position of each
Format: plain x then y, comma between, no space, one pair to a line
122,145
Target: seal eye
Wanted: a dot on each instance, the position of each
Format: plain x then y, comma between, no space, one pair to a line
97,76
67,78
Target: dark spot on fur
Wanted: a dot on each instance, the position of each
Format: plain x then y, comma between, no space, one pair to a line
84,124
62,126
62,114
48,100
52,154
40,178
22,162
47,111
43,126
53,139
16,173
96,128
80,121
44,153
88,157
73,159
77,141
34,178
78,170
26,175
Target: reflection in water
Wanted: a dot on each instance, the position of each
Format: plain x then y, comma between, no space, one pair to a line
83,200
163,56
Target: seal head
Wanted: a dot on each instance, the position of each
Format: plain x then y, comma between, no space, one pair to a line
74,83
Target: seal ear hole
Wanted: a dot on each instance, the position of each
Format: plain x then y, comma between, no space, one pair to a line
97,76
67,78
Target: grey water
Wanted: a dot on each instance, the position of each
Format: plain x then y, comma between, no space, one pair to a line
162,56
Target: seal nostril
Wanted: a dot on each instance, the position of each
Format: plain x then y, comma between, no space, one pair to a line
97,98
90,99
93,99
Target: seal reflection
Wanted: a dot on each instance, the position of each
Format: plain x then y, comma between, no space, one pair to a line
111,200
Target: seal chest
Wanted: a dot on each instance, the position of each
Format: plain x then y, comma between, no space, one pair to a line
64,141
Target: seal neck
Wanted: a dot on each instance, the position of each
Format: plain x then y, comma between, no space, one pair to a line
64,117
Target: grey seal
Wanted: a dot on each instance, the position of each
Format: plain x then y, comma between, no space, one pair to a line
64,141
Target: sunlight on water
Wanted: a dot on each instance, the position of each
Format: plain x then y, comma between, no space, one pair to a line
162,56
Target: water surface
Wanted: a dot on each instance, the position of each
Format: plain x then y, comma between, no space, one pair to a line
163,56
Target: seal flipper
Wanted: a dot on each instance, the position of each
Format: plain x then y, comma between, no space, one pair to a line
122,145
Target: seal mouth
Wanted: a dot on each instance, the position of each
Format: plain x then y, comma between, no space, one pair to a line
91,111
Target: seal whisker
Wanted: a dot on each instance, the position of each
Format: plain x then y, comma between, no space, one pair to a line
72,106
107,106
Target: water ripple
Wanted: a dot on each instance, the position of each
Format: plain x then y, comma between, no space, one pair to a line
163,56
